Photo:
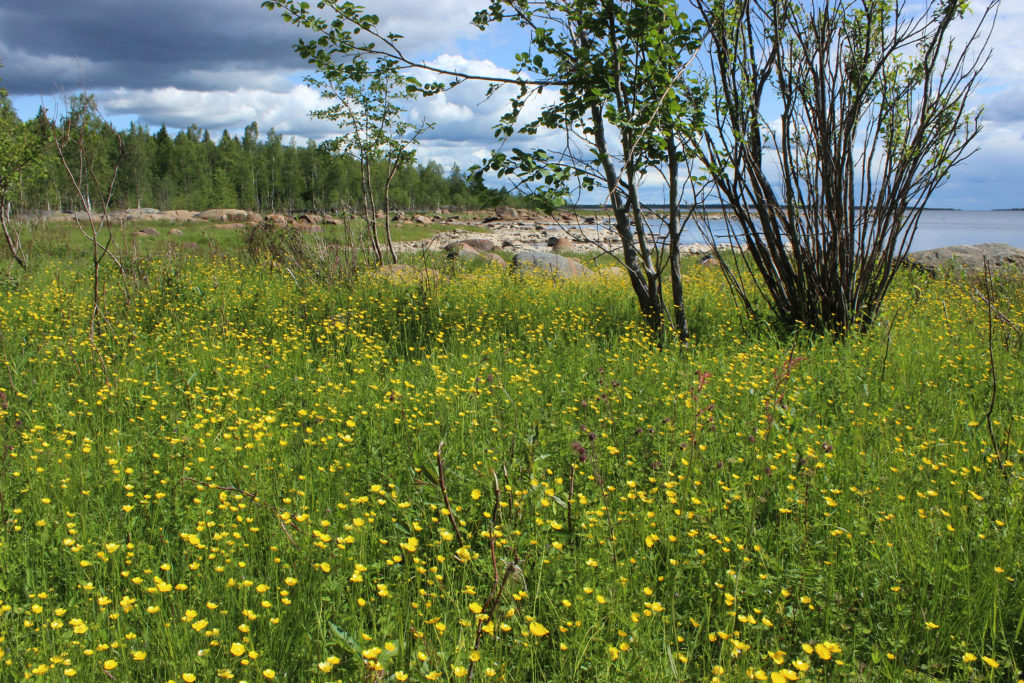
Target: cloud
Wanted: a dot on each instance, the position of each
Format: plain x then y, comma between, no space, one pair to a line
990,179
1005,65
1006,106
286,112
428,27
53,45
62,44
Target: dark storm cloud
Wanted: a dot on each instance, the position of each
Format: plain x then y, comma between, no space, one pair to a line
52,45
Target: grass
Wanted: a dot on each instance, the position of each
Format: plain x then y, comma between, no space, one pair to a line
415,231
58,239
251,476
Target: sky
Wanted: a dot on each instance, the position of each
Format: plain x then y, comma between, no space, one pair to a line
221,64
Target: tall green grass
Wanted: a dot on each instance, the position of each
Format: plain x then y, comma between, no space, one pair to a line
240,476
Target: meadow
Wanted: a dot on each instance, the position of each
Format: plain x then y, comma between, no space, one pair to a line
246,474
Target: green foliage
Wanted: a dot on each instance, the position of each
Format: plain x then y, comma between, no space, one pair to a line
19,148
619,68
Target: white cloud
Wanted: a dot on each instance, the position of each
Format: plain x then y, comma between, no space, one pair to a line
428,26
287,112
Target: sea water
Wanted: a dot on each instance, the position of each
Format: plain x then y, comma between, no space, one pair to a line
937,228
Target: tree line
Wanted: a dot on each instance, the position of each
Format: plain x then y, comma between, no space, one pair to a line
192,169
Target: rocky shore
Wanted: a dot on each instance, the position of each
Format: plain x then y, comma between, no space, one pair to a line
477,234
511,230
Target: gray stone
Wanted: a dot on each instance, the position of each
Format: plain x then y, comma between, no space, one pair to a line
969,257
550,264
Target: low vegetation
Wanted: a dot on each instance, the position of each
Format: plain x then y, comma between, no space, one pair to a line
249,475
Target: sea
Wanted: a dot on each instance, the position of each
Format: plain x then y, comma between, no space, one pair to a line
937,228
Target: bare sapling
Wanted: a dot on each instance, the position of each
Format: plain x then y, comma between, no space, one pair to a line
78,162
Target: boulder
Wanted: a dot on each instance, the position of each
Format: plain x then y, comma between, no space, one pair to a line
549,264
478,244
506,212
304,226
140,234
223,215
495,259
175,231
560,243
152,232
458,250
308,218
969,257
177,215
277,219
422,220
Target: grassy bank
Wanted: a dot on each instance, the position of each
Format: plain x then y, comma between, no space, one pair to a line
247,475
